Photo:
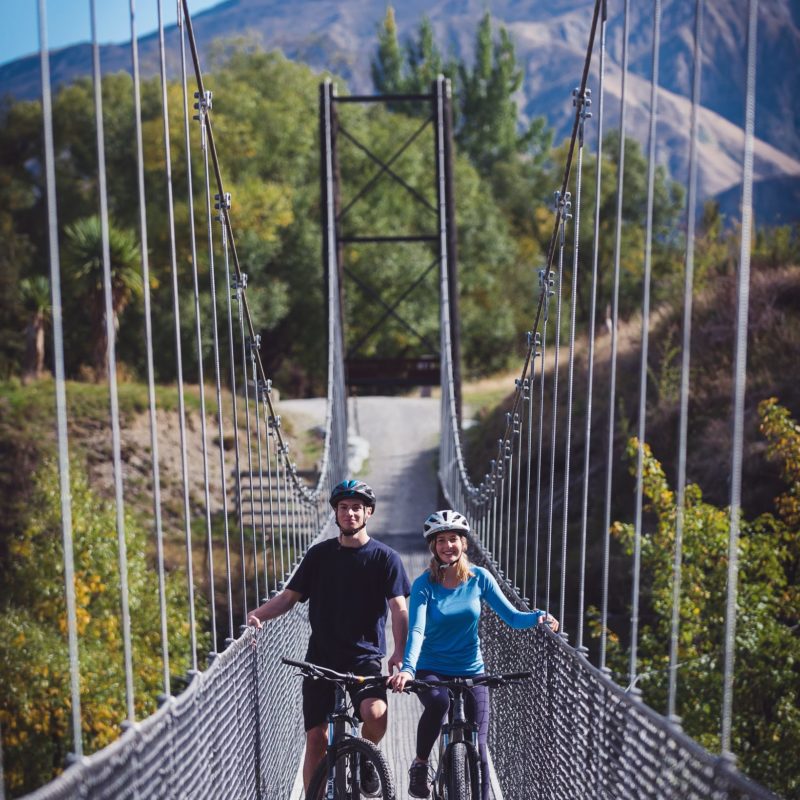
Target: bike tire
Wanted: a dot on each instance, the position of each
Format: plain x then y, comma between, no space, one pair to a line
349,755
463,772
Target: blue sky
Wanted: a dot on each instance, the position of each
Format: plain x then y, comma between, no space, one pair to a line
68,22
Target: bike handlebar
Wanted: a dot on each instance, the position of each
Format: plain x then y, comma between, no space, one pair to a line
492,681
315,671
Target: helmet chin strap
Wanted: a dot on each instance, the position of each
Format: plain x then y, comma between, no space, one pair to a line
351,533
443,566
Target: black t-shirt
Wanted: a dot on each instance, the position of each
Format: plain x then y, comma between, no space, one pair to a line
348,589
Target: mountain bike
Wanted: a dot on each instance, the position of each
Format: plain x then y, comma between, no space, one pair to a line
338,777
458,773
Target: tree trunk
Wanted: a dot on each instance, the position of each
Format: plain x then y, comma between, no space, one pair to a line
99,340
33,365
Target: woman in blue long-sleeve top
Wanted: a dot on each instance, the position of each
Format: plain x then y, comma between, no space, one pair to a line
445,607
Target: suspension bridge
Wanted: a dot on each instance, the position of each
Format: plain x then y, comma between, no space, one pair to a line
235,731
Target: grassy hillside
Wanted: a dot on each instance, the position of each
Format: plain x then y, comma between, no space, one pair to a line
27,439
773,347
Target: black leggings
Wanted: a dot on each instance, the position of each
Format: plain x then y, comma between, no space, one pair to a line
437,705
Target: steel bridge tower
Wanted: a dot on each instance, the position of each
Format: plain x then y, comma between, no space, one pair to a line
420,368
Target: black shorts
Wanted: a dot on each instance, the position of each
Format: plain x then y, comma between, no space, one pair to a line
319,696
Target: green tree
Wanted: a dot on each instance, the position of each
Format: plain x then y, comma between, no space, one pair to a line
766,720
35,294
20,131
387,66
35,704
424,60
488,129
85,262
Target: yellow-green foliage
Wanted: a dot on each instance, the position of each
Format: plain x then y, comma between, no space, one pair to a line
35,704
766,711
783,434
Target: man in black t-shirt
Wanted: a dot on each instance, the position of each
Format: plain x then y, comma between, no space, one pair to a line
350,582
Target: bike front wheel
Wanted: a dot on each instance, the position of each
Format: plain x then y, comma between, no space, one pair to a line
344,782
463,778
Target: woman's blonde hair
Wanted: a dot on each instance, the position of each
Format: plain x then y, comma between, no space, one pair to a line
462,567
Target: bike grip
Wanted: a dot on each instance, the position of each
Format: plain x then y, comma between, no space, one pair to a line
517,676
300,664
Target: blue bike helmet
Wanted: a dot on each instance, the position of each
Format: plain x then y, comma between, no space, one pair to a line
352,488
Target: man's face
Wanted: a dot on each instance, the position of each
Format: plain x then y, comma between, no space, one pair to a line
352,514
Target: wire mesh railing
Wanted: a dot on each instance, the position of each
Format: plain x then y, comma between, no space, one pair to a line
574,733
236,731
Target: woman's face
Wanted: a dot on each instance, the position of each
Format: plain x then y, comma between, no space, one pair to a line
449,547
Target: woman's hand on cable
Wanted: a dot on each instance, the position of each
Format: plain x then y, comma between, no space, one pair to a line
550,621
398,681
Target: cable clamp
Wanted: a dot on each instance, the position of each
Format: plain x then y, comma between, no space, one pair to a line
223,203
239,284
543,278
275,422
549,281
582,102
563,204
254,343
203,104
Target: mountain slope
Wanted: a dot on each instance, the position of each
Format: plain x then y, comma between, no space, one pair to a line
340,36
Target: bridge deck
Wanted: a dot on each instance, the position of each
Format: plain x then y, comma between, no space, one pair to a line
403,436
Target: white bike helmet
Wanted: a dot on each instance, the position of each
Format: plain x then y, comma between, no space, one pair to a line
442,521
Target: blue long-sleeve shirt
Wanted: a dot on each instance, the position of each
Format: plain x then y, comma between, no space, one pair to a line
443,623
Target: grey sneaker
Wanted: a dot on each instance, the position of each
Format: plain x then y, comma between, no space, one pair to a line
370,782
418,780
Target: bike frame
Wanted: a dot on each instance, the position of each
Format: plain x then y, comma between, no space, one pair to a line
338,722
342,777
458,729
